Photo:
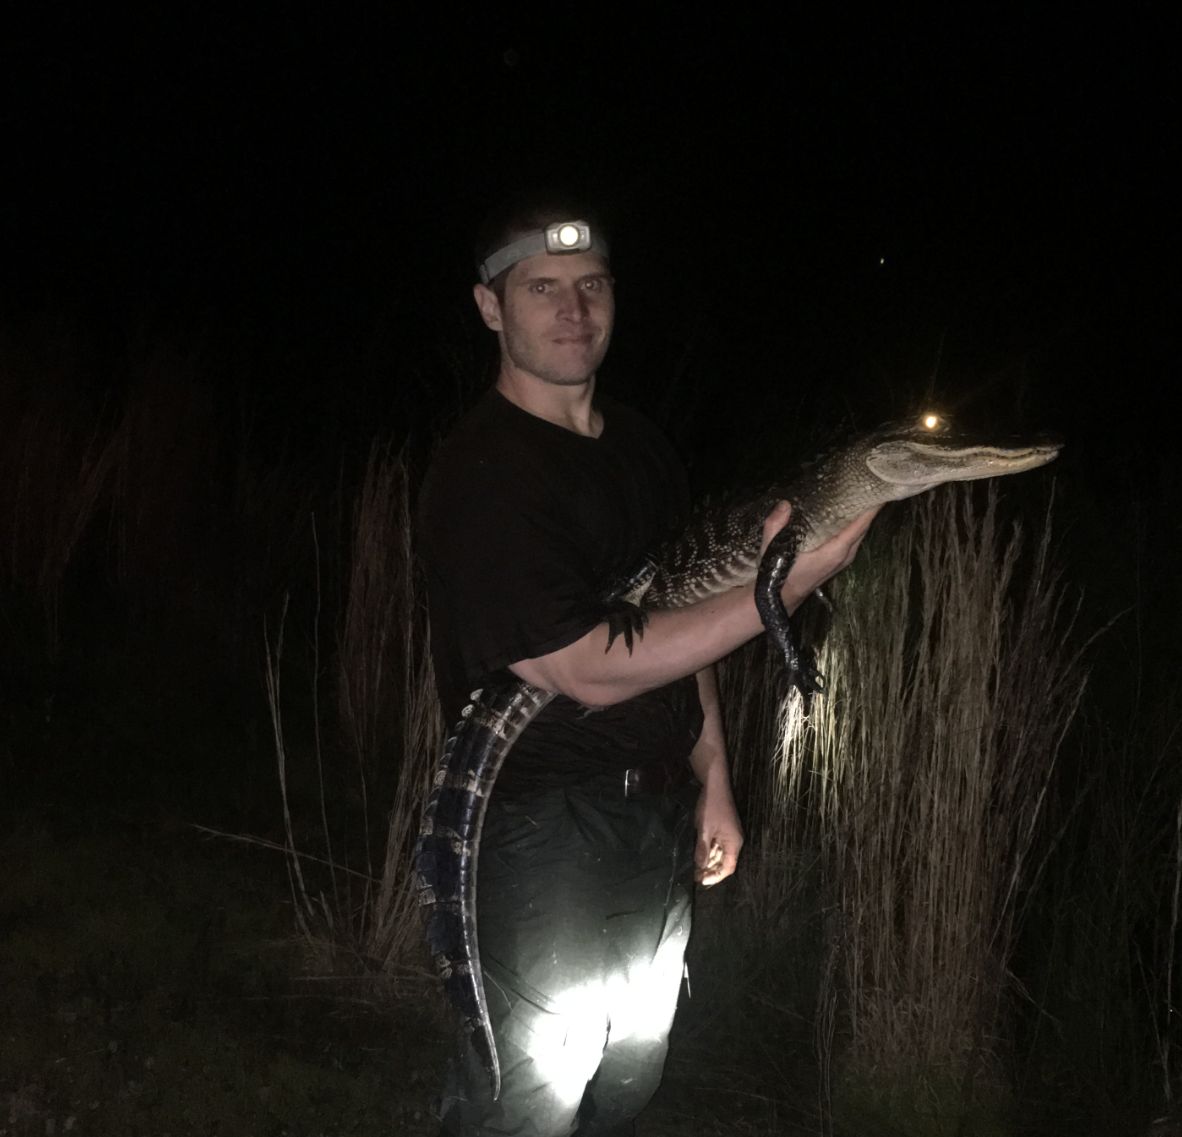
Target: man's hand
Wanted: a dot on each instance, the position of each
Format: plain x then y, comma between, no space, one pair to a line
814,568
720,836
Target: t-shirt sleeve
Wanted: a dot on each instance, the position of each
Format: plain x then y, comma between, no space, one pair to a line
503,564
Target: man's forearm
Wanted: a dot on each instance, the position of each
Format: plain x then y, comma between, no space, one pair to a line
720,833
683,641
675,644
708,757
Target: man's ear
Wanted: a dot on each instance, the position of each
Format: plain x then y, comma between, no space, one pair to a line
489,305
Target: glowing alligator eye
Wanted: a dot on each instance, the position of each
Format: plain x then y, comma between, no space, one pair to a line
931,421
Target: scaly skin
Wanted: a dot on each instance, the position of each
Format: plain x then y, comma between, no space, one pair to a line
719,550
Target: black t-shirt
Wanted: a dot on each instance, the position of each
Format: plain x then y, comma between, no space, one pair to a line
522,523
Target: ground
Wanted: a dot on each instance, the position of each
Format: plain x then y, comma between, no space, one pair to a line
150,986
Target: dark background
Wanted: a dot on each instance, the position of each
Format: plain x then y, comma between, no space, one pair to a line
236,250
815,212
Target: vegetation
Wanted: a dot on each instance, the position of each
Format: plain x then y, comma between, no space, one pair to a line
391,721
957,913
924,775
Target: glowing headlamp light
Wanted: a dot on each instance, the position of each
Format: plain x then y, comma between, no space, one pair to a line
561,237
568,237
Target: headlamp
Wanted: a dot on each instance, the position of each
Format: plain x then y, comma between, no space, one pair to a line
561,237
568,237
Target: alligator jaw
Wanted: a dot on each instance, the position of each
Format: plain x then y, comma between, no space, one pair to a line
916,465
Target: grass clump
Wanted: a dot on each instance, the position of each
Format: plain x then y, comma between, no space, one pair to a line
916,786
352,878
926,770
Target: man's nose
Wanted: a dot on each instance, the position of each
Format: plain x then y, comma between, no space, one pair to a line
573,304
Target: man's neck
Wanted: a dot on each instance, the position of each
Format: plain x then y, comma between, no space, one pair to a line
568,407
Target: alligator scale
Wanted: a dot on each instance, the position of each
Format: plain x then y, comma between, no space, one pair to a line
718,550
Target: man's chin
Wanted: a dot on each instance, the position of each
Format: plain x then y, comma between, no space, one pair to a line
562,379
564,375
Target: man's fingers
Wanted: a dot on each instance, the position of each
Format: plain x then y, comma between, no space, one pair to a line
703,851
707,859
720,864
773,523
814,568
855,532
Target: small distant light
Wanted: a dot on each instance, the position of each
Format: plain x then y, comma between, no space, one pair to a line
930,421
882,260
569,236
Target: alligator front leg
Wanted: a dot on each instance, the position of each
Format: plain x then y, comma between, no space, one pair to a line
773,571
620,605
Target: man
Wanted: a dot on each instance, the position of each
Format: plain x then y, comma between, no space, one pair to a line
542,495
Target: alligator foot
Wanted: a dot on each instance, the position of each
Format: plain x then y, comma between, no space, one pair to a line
807,680
624,619
800,672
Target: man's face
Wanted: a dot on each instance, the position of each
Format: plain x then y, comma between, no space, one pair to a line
556,318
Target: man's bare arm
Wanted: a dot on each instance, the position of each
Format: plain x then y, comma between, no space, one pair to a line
720,834
685,640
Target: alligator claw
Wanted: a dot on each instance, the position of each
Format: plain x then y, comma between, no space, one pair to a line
807,680
627,620
801,673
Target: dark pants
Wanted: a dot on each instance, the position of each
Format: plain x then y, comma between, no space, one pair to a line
583,913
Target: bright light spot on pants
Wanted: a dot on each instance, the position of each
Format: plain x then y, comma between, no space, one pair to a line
569,1044
642,1001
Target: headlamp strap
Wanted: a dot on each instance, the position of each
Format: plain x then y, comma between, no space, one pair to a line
548,240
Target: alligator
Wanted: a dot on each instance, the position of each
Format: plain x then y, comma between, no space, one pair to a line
718,550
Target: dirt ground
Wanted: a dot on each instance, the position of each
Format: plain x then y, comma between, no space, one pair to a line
150,986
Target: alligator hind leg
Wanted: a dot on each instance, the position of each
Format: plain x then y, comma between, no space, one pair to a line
773,571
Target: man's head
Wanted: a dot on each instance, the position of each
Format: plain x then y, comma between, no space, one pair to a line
552,311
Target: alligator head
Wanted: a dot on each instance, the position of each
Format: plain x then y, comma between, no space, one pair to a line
899,461
915,457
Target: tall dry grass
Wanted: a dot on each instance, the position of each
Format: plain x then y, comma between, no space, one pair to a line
55,470
187,528
168,507
921,778
390,726
387,697
1102,944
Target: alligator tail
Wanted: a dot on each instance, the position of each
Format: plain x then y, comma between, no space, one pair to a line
446,852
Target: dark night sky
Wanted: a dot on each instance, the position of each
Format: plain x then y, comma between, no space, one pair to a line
311,173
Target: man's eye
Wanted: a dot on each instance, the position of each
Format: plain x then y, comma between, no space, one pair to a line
593,285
